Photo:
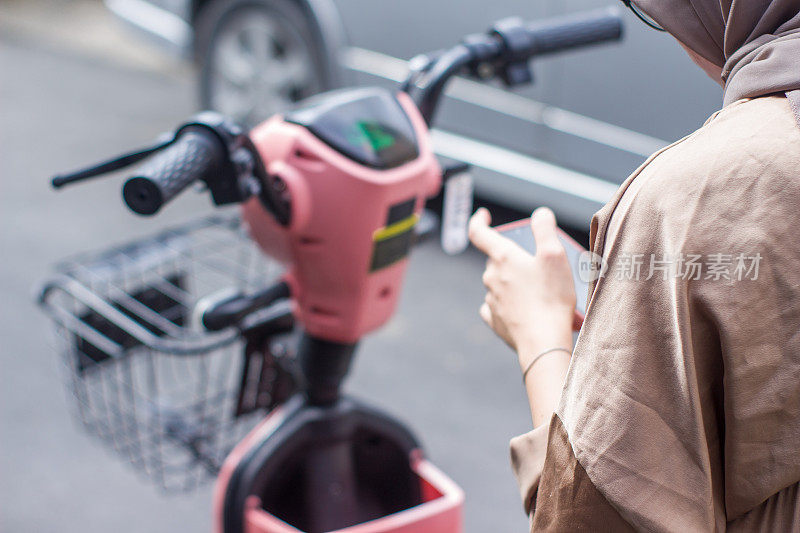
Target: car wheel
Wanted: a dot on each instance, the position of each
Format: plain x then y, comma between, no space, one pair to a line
257,57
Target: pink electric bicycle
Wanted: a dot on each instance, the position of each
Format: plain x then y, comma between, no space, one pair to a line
177,345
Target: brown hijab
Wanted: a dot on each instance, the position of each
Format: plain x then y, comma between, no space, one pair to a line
755,42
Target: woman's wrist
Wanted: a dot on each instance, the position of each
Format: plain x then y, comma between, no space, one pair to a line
529,366
543,366
559,337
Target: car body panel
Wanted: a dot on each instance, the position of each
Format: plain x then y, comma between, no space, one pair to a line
166,21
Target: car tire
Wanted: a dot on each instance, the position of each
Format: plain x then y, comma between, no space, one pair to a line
226,26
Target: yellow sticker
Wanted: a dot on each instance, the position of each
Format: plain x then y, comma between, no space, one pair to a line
395,229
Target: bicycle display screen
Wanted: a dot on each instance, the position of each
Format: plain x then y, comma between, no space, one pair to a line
366,125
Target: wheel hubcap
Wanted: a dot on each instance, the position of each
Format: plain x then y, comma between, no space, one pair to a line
259,66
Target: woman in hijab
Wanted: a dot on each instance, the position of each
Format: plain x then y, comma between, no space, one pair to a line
679,408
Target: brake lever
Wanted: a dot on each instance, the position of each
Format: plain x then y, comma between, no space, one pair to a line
111,165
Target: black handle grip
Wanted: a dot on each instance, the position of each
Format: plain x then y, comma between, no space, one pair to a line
195,155
573,31
232,310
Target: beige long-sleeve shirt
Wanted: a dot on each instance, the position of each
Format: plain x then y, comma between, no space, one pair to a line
681,408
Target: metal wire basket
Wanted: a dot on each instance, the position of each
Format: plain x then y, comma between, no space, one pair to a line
155,387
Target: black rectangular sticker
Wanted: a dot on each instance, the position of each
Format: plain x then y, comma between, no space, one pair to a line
393,242
400,211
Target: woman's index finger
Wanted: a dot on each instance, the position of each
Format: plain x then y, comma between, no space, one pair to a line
485,239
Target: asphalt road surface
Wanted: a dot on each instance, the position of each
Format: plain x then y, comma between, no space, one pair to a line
75,89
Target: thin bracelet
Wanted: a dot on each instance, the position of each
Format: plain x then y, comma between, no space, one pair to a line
530,365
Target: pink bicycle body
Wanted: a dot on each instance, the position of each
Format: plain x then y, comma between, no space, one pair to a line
345,249
339,209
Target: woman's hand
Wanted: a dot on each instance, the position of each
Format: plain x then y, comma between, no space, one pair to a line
530,301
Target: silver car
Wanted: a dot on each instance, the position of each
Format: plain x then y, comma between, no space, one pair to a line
567,141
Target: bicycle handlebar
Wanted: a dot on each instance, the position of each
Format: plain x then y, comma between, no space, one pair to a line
214,150
208,148
572,31
506,50
195,155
